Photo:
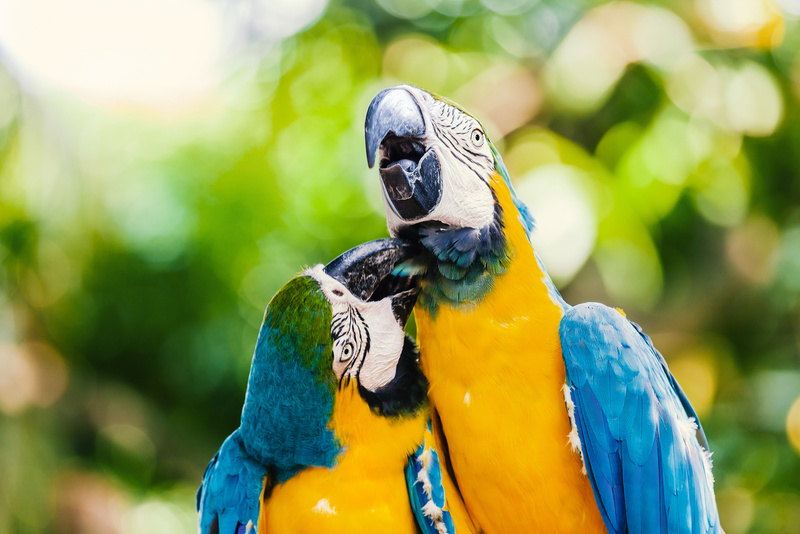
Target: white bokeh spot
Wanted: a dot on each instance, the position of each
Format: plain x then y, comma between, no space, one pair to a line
559,198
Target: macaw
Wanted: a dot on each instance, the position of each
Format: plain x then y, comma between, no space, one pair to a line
333,434
556,418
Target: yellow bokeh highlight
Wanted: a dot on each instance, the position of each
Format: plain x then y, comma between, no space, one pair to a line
737,507
419,60
737,23
793,425
696,372
752,248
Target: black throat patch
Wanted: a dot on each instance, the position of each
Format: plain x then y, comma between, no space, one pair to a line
408,390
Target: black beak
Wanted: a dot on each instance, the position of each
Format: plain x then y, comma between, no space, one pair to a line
411,174
369,271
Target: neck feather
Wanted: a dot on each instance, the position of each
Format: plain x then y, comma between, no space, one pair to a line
287,409
407,393
465,263
366,436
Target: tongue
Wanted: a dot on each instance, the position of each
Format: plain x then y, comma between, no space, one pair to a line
399,179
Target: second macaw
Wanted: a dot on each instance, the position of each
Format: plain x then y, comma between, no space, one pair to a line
333,431
556,418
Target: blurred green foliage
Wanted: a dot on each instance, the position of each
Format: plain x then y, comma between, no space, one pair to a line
140,242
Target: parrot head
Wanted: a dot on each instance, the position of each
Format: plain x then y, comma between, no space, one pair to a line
434,159
444,185
334,328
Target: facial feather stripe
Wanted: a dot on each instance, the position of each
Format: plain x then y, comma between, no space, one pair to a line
351,340
454,128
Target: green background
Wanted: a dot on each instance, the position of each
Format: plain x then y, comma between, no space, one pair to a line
141,237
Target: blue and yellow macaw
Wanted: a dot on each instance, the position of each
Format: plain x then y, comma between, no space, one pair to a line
333,430
556,418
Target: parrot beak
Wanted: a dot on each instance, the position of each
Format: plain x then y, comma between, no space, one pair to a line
379,269
411,174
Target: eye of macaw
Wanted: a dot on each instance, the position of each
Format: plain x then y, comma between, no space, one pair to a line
350,341
477,137
347,352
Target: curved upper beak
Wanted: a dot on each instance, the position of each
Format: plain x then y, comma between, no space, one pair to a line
393,111
378,269
411,174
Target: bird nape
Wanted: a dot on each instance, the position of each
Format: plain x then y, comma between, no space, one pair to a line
557,418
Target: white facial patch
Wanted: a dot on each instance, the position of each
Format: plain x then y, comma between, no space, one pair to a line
466,160
367,338
387,340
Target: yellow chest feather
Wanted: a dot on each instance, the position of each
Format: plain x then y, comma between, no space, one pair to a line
365,491
496,373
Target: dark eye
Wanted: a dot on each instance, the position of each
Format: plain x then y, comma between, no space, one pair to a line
347,353
477,137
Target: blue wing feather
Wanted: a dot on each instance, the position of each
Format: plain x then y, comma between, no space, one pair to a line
635,424
687,406
231,489
598,461
429,505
